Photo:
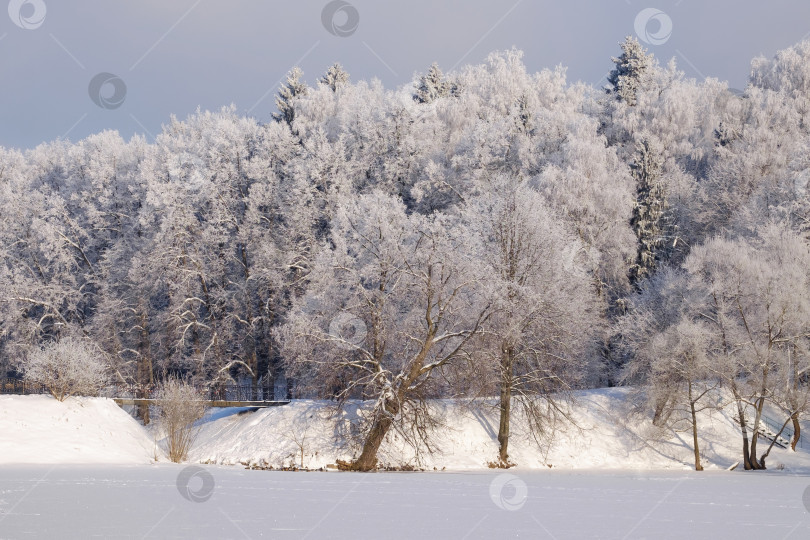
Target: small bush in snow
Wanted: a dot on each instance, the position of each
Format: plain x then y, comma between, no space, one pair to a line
67,368
179,407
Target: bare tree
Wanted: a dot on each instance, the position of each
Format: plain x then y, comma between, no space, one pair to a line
673,352
682,371
180,406
759,306
301,439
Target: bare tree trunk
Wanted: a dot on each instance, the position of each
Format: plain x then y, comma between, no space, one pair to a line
368,457
145,374
793,390
698,466
507,366
761,460
741,417
660,405
755,461
797,431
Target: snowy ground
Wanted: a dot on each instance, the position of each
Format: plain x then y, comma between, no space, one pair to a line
40,430
85,469
147,502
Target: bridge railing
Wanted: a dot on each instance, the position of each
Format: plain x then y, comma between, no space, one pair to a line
216,392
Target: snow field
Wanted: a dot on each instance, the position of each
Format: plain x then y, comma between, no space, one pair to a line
152,502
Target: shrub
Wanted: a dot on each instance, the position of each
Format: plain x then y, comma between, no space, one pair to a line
67,368
179,407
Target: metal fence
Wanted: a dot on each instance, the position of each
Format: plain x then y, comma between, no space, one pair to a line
20,387
239,392
217,392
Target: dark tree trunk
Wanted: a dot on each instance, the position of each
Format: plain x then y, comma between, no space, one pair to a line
145,373
379,429
744,430
368,458
698,466
507,367
756,463
659,411
664,405
797,431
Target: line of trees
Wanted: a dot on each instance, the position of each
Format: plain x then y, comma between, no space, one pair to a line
486,233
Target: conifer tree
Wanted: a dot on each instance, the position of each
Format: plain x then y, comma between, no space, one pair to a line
649,210
432,86
632,67
335,77
293,88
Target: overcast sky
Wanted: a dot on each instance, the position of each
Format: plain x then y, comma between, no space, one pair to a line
173,56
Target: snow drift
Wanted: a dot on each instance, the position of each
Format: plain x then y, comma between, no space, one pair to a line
40,429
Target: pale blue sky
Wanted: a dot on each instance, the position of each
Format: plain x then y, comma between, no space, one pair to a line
176,55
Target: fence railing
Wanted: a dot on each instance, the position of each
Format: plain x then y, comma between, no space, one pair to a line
787,433
215,392
20,387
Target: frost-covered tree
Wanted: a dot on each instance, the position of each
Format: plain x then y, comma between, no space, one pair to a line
631,72
649,211
673,351
394,302
540,336
432,86
788,71
757,306
335,77
292,89
68,367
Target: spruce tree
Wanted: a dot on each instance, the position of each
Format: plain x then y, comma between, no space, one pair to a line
649,212
335,77
432,86
293,88
632,67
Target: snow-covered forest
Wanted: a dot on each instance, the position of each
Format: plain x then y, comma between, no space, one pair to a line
486,233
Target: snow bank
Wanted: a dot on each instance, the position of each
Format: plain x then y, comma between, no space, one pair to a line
606,436
39,429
